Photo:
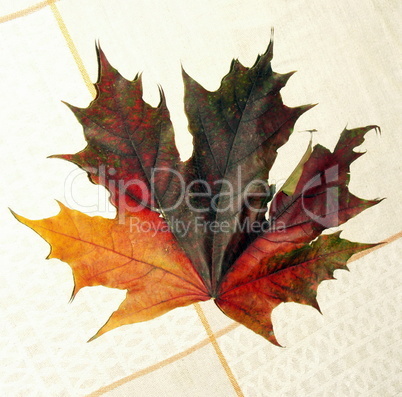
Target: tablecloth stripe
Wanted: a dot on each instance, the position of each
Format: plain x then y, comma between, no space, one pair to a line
26,11
73,48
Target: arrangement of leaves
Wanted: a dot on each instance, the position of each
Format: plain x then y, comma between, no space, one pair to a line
195,246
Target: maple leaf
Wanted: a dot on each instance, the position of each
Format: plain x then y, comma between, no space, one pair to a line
199,229
157,277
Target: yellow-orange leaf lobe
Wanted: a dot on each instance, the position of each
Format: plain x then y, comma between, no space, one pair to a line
148,264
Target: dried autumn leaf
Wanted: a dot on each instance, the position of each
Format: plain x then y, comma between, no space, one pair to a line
100,251
285,273
280,265
208,234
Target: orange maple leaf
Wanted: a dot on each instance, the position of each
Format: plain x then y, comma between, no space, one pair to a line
157,277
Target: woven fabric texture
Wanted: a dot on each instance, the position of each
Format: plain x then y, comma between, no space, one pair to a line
348,58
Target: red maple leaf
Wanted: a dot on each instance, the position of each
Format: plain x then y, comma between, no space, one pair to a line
188,231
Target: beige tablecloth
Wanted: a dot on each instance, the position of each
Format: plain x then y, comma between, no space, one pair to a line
348,57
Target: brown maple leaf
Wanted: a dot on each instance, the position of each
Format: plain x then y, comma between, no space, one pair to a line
194,230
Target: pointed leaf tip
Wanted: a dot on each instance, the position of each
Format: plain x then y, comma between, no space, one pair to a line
270,46
162,97
76,110
67,157
235,65
316,306
305,108
272,338
92,338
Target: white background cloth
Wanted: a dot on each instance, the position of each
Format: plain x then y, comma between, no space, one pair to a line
348,57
